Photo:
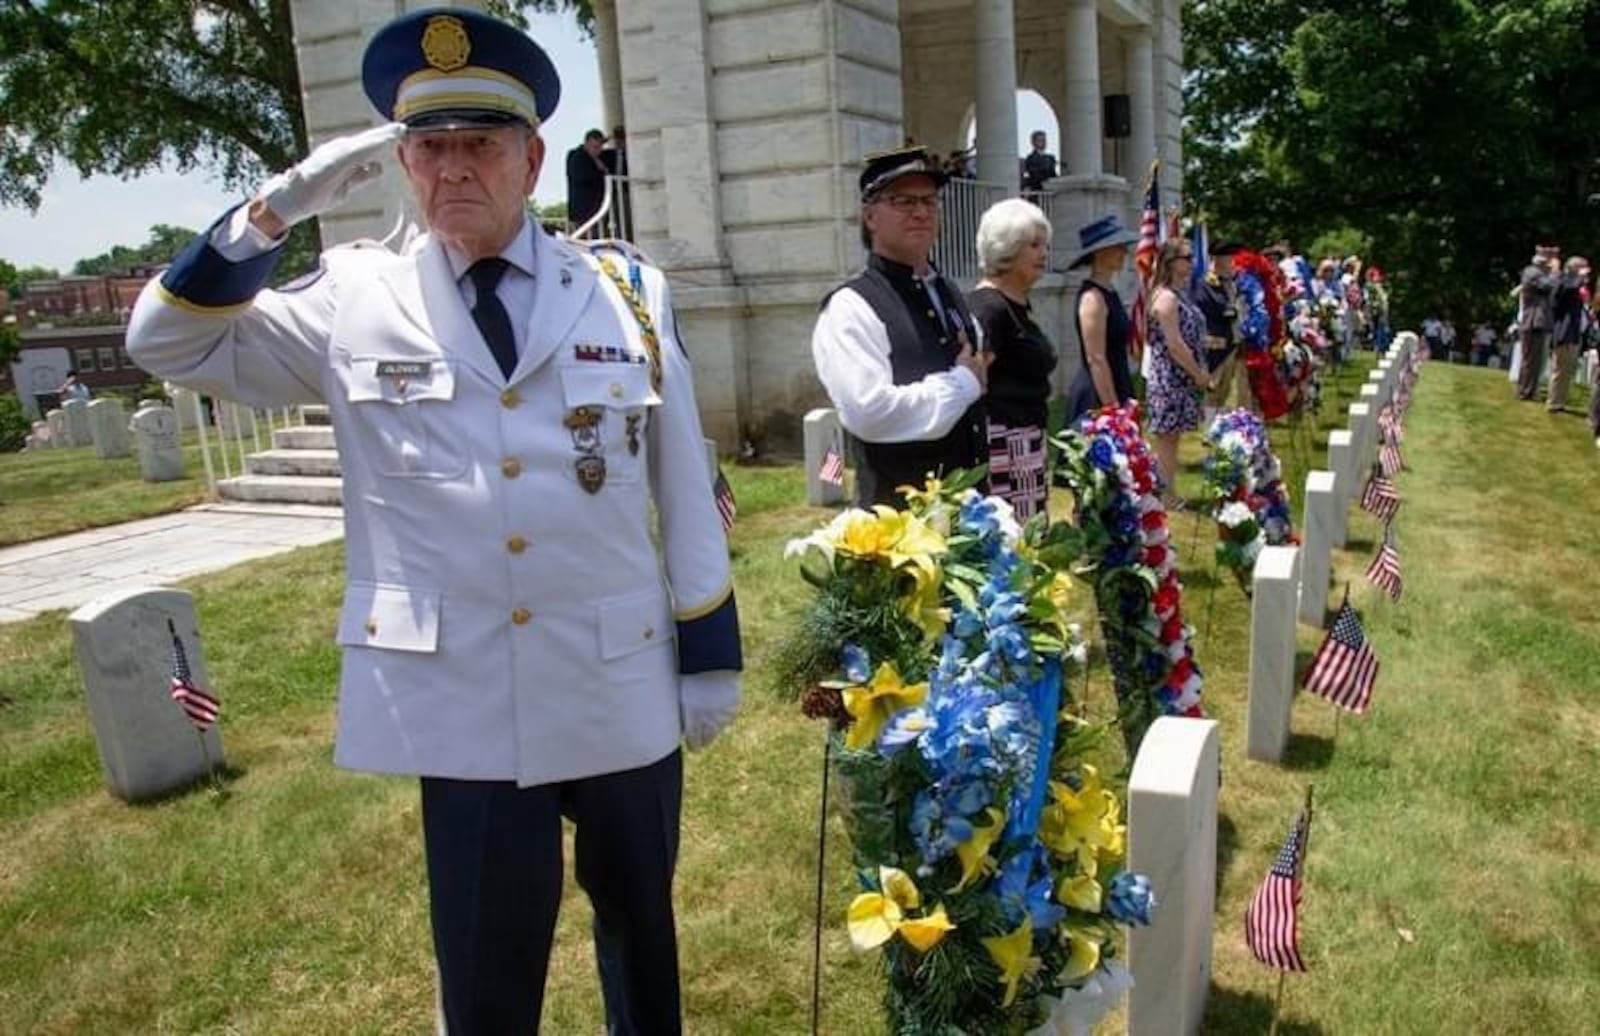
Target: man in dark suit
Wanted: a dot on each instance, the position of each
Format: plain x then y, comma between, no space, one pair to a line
586,179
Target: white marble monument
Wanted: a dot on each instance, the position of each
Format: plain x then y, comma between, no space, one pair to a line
1172,839
823,433
147,745
1316,546
1363,432
75,414
108,426
1273,605
1342,462
155,436
56,421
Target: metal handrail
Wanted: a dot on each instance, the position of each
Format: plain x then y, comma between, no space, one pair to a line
614,218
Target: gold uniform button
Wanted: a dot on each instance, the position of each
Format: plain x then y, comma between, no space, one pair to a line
510,398
521,616
616,390
372,627
511,467
516,544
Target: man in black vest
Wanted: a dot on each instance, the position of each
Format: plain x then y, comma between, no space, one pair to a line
895,347
1218,298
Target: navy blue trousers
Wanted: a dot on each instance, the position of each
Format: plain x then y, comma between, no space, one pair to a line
494,879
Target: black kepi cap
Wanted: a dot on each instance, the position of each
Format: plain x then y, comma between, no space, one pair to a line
885,167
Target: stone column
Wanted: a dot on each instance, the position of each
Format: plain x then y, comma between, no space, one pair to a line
1081,130
1141,103
996,45
693,250
608,49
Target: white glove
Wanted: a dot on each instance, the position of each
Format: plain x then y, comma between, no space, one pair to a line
707,702
330,173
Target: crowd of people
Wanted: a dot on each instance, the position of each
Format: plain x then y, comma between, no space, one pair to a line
928,379
1555,321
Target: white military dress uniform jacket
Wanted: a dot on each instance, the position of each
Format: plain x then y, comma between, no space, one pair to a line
500,621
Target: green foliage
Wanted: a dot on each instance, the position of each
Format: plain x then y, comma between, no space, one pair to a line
165,242
10,341
14,424
1444,134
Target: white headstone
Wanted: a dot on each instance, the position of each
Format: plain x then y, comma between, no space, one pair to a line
155,437
76,414
1342,462
1363,431
1316,546
713,462
1172,839
1273,604
39,438
822,433
109,427
185,405
57,423
236,420
124,649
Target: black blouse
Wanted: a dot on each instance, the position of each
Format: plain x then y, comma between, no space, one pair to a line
1019,375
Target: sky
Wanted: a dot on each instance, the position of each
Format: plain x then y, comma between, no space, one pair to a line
80,218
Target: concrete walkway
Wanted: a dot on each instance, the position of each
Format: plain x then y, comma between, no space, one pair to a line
67,571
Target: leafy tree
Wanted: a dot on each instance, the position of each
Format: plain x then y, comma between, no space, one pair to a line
165,242
1448,134
122,87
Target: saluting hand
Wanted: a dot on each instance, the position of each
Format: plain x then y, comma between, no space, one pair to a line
329,175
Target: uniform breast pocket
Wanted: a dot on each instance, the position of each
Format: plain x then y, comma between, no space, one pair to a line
608,409
399,411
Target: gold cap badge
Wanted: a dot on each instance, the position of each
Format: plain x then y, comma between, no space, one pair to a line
445,44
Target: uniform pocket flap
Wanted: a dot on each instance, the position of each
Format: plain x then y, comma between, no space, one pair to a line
629,624
399,379
397,618
619,385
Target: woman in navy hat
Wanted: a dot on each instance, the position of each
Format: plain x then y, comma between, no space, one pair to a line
1103,378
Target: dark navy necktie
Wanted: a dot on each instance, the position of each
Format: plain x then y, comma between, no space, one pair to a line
489,313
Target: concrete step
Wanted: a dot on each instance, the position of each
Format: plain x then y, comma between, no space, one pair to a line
315,414
304,437
324,463
287,489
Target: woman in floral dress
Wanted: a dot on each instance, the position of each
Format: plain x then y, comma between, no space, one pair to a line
1178,379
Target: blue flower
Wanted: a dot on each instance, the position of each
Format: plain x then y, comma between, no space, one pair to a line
1129,899
1102,455
1024,887
857,665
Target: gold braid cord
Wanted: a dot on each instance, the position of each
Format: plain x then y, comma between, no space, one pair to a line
647,327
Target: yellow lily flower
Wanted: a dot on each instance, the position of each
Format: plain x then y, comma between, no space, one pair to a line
920,495
1083,956
1081,893
873,705
873,919
1060,591
898,886
924,604
924,933
1013,955
974,852
865,535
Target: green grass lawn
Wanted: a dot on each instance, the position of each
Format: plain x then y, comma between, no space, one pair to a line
1453,882
51,492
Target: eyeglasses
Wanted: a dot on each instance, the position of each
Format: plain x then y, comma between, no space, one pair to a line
909,203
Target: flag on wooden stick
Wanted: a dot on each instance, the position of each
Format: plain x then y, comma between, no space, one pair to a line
1345,667
727,507
1384,572
1144,259
1272,922
1380,498
832,469
200,706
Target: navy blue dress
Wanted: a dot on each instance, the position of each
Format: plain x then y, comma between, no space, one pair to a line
1081,395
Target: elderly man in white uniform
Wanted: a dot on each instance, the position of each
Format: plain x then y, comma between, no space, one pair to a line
508,407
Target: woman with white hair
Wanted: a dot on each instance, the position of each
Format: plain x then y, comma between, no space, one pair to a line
1014,248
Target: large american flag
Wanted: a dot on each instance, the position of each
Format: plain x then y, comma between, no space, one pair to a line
727,507
1272,924
1380,498
201,707
832,470
1384,572
1144,258
1344,668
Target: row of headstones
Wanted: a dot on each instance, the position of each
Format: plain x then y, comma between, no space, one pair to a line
155,429
1290,584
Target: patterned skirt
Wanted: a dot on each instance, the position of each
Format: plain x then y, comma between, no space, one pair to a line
1017,468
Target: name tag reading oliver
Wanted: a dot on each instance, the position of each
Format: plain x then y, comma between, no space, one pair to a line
404,368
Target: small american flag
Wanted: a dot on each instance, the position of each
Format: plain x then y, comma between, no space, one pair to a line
832,470
200,706
1144,258
727,507
1389,422
1380,498
1389,459
1384,572
1344,668
1272,923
